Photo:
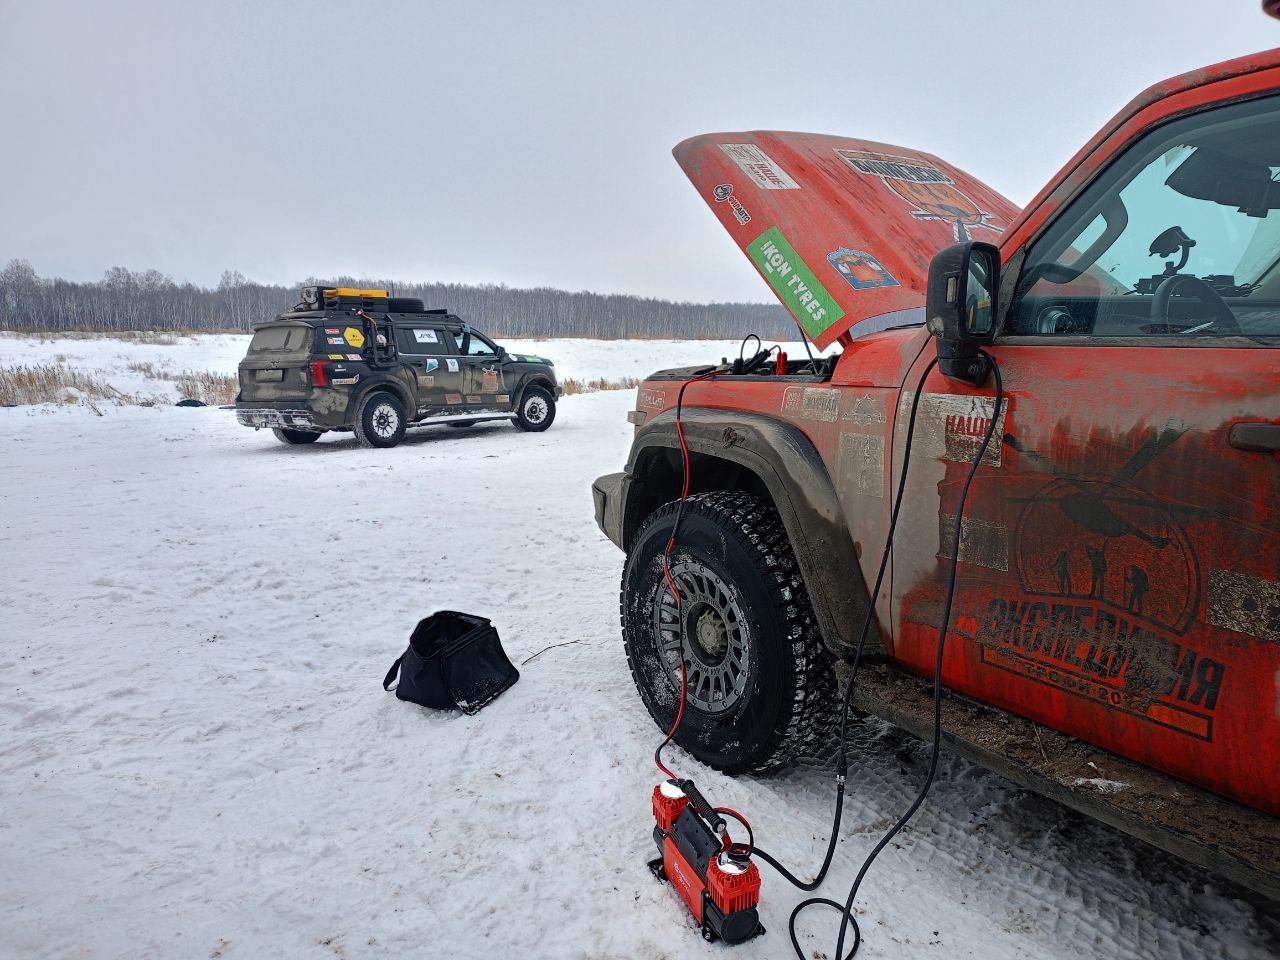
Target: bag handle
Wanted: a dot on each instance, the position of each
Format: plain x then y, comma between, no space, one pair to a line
391,674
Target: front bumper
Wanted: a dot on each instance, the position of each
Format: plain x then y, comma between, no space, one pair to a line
292,419
607,494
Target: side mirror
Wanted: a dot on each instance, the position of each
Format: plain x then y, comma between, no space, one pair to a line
502,353
960,307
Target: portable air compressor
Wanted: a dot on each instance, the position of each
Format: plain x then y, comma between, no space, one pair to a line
720,886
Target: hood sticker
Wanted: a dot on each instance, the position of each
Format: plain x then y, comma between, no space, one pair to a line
757,165
932,193
860,269
723,193
793,282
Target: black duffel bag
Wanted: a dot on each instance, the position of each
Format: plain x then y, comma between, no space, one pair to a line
454,660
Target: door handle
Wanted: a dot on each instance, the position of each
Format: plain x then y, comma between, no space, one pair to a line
1258,437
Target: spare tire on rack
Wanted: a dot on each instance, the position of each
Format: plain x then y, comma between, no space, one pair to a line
405,305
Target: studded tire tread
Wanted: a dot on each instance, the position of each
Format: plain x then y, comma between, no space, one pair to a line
805,722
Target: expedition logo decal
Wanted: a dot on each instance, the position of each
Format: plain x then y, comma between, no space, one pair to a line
433,365
724,194
353,337
757,165
861,270
932,193
793,282
1109,582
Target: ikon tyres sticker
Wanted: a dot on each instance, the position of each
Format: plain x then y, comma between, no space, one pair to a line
452,365
757,165
861,270
793,282
724,194
353,337
932,194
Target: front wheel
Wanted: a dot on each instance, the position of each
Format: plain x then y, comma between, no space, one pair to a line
760,684
285,435
537,410
380,421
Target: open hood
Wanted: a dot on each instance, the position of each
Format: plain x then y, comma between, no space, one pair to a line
842,230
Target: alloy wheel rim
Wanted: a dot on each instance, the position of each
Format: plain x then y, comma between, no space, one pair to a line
708,631
385,421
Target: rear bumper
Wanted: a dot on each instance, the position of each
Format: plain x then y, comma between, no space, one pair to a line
271,416
607,494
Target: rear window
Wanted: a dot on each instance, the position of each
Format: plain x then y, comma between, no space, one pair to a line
281,338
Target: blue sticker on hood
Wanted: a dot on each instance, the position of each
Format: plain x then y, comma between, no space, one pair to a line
860,269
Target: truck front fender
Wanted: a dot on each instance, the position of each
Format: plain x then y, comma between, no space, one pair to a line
790,469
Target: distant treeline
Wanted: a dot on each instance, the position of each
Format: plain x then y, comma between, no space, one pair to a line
150,300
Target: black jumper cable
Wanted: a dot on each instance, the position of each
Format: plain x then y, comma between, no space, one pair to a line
741,853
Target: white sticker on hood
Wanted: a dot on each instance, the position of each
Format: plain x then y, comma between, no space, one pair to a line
757,165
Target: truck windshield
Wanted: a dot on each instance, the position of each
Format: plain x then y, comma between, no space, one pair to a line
1198,198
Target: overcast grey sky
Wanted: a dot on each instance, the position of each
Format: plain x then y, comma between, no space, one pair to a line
521,143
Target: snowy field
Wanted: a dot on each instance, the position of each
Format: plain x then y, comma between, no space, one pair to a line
220,353
199,760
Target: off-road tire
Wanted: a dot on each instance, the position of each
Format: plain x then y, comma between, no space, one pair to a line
537,410
285,435
380,420
787,707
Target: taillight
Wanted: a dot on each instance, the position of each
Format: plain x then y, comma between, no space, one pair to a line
319,373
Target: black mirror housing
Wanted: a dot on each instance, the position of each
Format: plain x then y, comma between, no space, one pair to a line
960,307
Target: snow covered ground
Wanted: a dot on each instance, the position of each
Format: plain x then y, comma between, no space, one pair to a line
197,758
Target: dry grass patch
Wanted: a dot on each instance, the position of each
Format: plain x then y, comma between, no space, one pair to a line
54,383
164,338
572,385
206,386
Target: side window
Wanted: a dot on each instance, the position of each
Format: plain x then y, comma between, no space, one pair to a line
422,340
477,346
1180,237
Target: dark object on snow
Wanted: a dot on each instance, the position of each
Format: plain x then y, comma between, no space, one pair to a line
453,660
188,402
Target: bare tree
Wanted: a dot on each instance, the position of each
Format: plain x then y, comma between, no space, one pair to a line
151,300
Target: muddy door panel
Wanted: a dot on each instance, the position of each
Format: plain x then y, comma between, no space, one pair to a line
1119,573
437,376
486,382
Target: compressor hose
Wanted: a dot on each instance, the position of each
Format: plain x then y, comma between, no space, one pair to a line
846,909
